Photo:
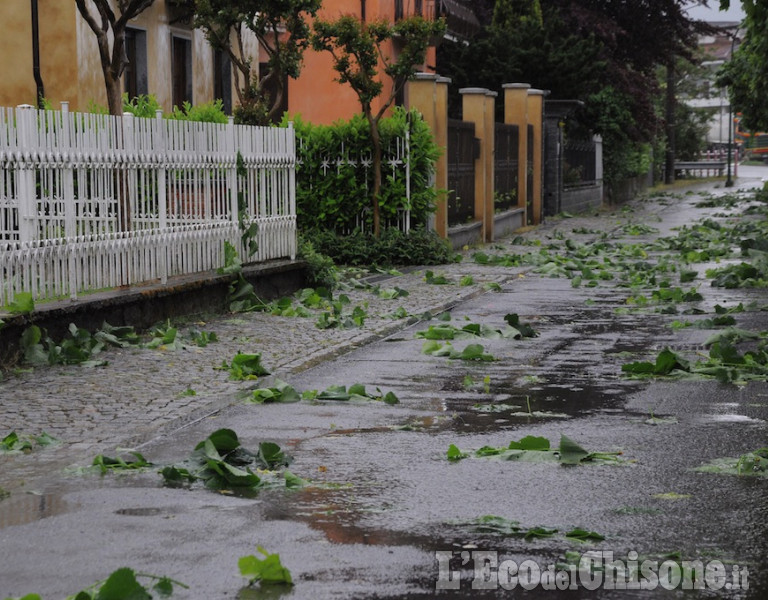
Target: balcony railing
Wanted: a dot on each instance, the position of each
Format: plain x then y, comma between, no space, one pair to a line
422,8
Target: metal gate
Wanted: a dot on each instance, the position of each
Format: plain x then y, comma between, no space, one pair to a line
462,151
529,172
505,166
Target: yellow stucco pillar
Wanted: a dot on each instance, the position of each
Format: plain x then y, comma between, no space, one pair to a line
490,165
516,113
536,118
422,96
474,104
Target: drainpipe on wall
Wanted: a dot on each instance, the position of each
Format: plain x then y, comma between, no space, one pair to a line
362,10
36,55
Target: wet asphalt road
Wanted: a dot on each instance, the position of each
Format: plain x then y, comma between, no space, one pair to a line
395,501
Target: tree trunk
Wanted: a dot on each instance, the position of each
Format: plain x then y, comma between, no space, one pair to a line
114,93
376,166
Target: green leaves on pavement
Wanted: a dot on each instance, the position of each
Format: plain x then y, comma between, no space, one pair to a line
164,338
473,352
355,393
724,363
13,443
666,362
392,293
265,569
123,584
508,528
80,347
525,330
753,463
280,392
118,463
221,463
244,367
514,329
537,449
432,279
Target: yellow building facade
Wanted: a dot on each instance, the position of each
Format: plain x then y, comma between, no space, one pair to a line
169,59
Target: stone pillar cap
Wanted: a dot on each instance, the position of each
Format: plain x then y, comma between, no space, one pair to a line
516,86
426,77
447,80
538,92
474,90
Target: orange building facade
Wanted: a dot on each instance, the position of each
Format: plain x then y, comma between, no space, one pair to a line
316,96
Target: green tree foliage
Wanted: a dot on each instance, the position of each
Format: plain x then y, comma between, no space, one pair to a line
549,56
283,32
601,52
691,124
746,74
108,25
358,49
512,13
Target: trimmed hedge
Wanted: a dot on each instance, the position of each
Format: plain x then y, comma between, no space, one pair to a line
337,196
417,247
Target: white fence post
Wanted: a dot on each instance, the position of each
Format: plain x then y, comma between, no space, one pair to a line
26,156
232,171
68,198
126,199
160,140
407,214
292,185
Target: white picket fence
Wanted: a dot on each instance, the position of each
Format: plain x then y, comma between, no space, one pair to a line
94,201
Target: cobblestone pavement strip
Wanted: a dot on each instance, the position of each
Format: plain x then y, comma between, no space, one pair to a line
140,392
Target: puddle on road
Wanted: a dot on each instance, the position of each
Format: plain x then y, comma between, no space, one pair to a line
25,508
147,511
338,513
507,403
733,418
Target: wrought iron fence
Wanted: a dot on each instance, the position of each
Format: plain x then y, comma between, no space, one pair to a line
506,166
579,163
462,150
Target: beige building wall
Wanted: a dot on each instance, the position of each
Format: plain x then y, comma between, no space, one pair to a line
17,85
58,48
69,57
89,76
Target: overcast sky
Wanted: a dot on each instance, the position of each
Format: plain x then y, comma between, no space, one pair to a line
735,13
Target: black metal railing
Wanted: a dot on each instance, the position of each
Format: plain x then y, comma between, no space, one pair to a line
461,172
579,166
507,143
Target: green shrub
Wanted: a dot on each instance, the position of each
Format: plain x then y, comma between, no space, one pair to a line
418,247
209,112
144,106
334,196
253,111
321,269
